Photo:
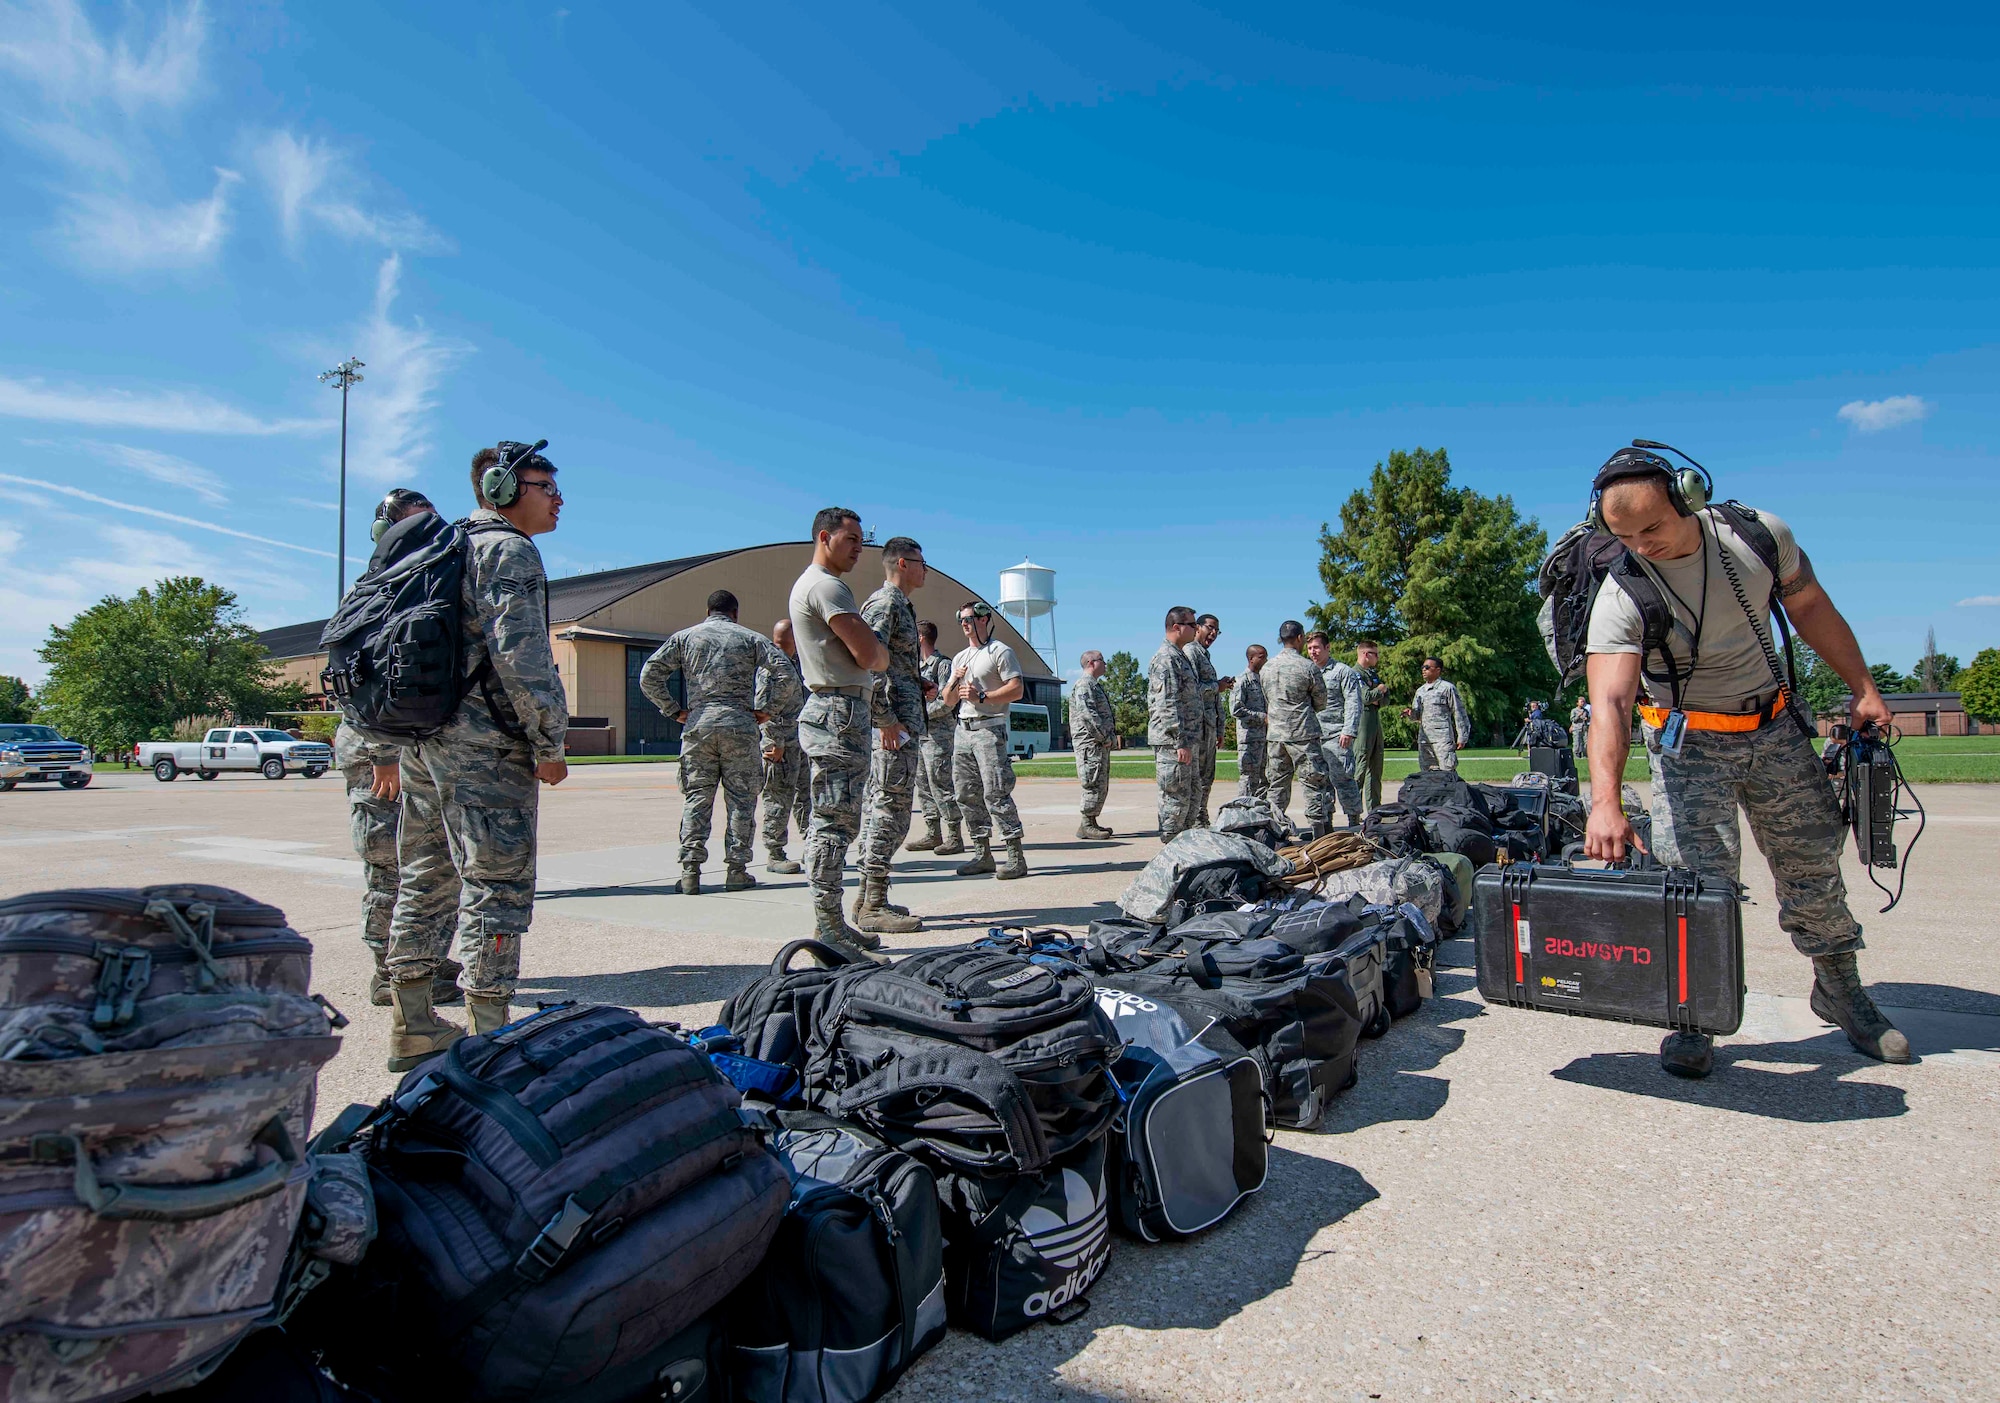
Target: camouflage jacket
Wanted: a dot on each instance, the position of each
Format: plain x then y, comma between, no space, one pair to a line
1173,700
1296,694
1090,714
351,751
1205,676
1344,701
780,702
1246,704
1441,711
888,612
505,602
937,670
719,661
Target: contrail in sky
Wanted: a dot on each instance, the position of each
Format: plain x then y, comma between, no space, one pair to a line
82,495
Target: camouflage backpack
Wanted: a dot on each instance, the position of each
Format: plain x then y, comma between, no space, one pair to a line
158,1054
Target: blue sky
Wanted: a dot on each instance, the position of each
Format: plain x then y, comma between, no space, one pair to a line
1140,292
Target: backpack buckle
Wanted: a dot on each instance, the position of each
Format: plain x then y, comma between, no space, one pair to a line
413,1100
553,1242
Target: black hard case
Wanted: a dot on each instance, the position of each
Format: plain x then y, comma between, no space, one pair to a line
1662,947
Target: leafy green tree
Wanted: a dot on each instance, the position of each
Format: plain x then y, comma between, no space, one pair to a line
1125,684
125,670
1427,568
16,705
1819,684
1887,679
1979,687
1934,670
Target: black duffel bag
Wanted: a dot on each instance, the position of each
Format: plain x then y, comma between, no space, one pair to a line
852,1290
1396,830
560,1203
1461,829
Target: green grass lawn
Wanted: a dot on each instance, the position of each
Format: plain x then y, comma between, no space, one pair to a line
1925,760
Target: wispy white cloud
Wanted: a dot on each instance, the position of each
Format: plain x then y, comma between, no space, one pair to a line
390,413
159,515
171,411
312,182
162,467
40,587
313,503
1871,416
53,46
110,231
1979,601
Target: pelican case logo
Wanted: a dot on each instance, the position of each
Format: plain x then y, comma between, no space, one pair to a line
1596,950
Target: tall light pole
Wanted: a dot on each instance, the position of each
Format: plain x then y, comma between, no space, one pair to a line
345,375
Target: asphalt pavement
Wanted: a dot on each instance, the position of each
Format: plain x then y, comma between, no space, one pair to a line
1508,1206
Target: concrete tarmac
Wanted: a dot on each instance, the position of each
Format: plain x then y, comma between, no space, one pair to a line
1508,1206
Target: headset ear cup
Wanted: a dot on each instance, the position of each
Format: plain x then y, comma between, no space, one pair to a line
377,529
499,487
1693,492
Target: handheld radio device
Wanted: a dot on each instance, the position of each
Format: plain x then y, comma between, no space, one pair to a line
1869,785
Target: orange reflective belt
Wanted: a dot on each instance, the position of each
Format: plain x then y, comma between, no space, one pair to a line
1656,717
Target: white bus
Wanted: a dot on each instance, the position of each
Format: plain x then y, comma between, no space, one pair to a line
1027,729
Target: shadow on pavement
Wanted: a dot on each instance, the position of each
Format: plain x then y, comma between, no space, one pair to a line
1815,1095
669,986
1393,1085
1035,917
1944,998
1193,1285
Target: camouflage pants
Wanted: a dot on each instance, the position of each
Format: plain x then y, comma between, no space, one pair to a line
1439,752
1774,775
467,846
1204,766
726,759
1305,759
1368,766
1093,771
1250,759
833,731
1579,739
787,796
372,823
892,786
934,781
1180,792
1340,774
984,780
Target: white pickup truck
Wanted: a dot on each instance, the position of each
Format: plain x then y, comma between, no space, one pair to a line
272,753
35,754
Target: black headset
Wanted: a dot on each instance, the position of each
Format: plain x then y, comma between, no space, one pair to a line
501,483
392,509
1690,489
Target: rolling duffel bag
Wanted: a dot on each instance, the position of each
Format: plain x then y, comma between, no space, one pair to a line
158,1056
560,1202
1191,1140
852,1290
1663,947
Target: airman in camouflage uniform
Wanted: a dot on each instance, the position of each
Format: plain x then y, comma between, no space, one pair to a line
1295,694
1741,747
1443,728
720,664
1207,630
374,812
1339,723
1247,705
471,792
942,817
1368,739
1174,725
892,775
786,795
1092,730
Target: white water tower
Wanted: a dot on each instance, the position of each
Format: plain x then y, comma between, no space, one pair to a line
1027,593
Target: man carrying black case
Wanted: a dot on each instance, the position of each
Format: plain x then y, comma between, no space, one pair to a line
1686,610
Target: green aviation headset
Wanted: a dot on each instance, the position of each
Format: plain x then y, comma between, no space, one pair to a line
393,508
1690,489
501,483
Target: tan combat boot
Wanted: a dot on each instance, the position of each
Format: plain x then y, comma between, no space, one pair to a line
690,881
933,835
444,984
779,865
1016,864
416,1033
953,842
1839,998
488,1015
829,928
981,861
378,982
1092,830
737,878
872,915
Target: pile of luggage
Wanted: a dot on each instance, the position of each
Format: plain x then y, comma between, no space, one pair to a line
791,1205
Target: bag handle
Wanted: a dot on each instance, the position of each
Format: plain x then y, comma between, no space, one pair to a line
826,955
173,1203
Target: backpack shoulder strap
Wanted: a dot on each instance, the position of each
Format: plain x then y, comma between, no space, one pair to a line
1746,523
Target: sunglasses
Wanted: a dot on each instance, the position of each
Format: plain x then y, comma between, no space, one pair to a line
549,489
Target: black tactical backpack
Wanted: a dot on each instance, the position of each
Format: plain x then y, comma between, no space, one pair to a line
393,646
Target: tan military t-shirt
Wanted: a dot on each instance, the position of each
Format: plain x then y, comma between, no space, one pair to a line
992,666
818,598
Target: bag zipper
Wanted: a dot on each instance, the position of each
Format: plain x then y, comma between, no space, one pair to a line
254,914
165,955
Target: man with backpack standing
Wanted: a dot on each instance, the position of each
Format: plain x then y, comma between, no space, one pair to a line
1093,727
785,797
893,769
470,792
943,830
721,665
838,653
1690,623
1295,694
1443,728
1174,722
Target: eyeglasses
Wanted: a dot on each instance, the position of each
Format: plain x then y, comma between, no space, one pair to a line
549,489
